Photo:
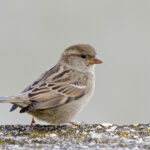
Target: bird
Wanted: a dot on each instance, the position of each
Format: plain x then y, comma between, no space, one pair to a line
60,93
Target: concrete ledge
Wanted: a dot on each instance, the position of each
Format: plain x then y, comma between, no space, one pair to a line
85,136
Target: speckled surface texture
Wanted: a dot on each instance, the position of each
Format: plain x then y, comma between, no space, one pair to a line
85,136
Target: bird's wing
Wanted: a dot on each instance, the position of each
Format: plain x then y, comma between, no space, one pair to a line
55,87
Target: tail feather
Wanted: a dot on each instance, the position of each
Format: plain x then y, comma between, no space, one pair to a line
5,99
10,99
15,100
14,107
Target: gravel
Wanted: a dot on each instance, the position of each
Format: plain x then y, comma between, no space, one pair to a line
84,136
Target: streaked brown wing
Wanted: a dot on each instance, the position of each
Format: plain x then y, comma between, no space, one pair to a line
55,88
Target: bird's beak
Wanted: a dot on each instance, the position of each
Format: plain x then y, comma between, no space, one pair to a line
95,60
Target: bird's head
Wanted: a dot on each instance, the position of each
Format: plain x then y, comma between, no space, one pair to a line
81,57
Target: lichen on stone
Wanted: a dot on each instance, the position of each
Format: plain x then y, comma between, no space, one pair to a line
84,136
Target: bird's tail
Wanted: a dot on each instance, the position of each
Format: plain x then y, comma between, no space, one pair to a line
5,99
10,99
15,100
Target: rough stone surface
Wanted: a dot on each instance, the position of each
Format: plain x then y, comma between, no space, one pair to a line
85,136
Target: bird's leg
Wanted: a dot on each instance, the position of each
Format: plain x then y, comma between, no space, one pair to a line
73,123
33,122
31,127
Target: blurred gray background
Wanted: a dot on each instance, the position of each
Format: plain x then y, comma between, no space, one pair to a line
33,34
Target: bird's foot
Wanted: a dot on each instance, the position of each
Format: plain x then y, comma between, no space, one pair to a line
32,125
32,122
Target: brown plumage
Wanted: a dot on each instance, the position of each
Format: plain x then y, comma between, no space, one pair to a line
61,92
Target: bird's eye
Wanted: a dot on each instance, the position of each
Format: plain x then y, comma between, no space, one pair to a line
83,56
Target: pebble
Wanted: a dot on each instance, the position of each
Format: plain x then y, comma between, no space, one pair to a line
107,124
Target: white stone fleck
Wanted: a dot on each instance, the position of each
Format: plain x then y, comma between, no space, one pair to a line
140,140
98,127
53,135
56,147
112,129
77,131
96,135
84,133
63,131
135,124
107,124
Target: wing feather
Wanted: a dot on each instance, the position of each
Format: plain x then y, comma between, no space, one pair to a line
56,87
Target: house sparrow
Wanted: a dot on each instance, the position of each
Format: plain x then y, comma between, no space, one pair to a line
60,93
